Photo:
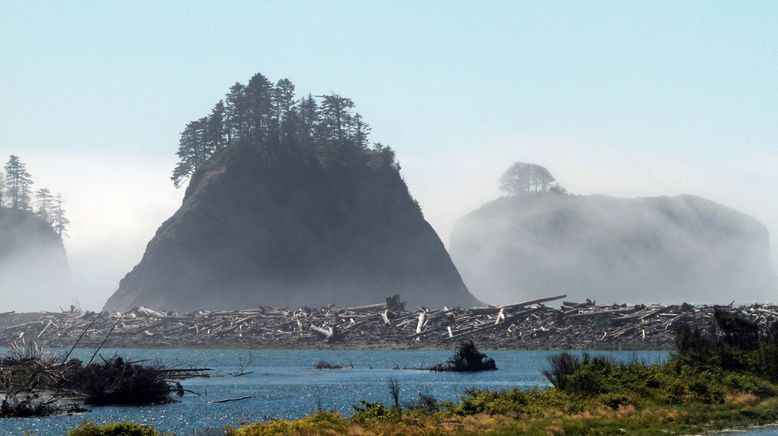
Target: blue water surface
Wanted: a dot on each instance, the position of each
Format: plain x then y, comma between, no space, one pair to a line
284,384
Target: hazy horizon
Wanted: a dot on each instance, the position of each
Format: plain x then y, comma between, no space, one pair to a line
613,98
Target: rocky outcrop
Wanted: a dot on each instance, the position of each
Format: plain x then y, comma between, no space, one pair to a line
33,263
662,249
259,230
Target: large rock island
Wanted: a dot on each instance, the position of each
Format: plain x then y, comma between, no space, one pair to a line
33,263
292,208
640,250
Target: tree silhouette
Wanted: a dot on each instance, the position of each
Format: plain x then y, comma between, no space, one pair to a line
283,98
193,150
18,182
336,119
59,220
522,178
258,107
215,135
272,120
235,113
44,200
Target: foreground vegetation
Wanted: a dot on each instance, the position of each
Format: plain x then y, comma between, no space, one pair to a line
722,377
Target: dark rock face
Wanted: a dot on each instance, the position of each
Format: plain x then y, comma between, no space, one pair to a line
33,264
662,249
255,230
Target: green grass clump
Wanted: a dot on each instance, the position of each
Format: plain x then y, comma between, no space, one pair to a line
319,423
113,429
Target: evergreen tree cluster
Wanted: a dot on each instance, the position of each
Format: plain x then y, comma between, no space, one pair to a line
273,119
16,193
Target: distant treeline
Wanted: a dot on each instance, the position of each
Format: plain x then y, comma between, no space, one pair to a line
16,193
271,118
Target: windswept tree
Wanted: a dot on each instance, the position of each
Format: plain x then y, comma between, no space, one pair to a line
18,183
522,178
58,219
44,201
194,149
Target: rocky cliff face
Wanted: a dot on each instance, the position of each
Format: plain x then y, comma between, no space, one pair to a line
664,249
33,264
255,230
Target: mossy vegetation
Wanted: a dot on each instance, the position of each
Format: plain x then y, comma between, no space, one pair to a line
113,429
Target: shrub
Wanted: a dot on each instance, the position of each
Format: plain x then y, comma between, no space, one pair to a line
427,403
732,343
113,429
371,412
615,400
562,365
394,391
584,375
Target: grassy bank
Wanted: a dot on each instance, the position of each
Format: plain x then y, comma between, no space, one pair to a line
722,377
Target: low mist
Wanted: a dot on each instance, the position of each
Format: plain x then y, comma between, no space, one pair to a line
35,279
116,202
641,250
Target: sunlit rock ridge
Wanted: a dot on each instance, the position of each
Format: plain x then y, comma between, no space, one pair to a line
639,250
260,229
33,263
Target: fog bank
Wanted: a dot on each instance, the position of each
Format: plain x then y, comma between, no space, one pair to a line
117,201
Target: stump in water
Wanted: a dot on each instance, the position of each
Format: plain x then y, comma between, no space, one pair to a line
467,358
323,364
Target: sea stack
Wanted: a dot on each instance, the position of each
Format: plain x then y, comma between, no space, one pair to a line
291,207
612,250
33,263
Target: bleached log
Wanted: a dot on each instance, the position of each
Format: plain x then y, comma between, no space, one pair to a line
385,317
44,329
420,324
531,302
368,308
500,316
150,312
328,332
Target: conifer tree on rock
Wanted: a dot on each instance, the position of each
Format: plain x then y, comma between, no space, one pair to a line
295,208
18,182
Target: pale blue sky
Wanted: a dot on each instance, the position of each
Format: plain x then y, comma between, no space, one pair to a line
618,97
431,75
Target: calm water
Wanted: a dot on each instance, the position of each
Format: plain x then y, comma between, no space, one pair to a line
285,385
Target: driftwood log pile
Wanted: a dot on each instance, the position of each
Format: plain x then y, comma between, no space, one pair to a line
531,325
